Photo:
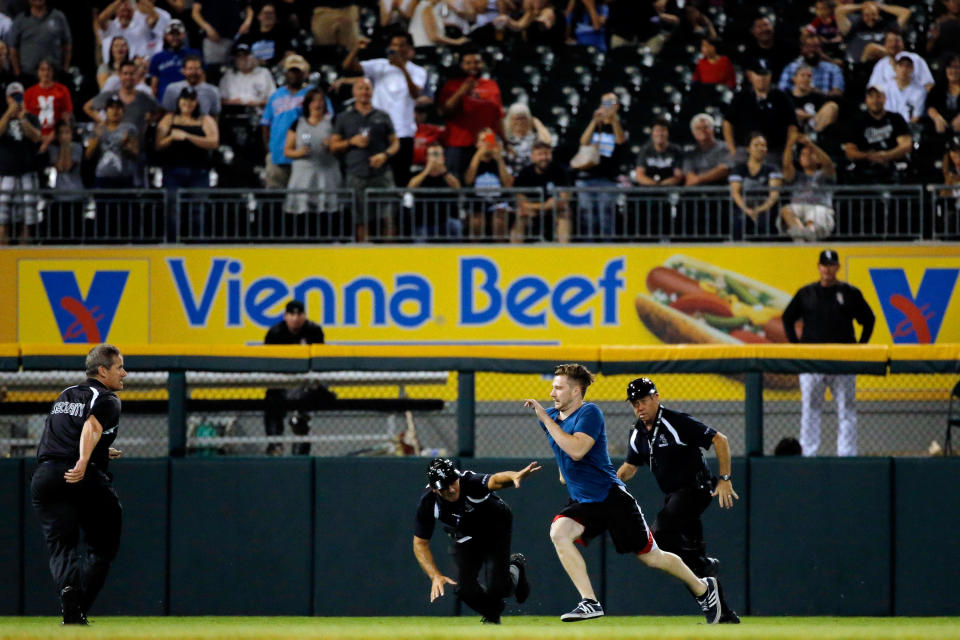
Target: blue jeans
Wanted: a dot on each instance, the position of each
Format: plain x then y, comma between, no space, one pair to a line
174,179
596,213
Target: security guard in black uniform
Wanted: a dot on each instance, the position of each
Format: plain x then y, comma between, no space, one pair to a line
670,442
72,490
479,524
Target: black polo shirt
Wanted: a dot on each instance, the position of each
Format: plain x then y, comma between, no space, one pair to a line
555,176
660,165
310,333
828,314
771,116
61,433
672,449
378,125
476,514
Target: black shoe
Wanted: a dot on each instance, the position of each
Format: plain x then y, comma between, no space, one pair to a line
70,606
584,611
710,568
490,620
710,601
729,616
522,591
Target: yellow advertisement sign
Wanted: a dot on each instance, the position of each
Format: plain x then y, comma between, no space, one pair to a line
470,295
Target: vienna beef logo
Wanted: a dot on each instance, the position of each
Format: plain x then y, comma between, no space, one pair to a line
84,318
914,319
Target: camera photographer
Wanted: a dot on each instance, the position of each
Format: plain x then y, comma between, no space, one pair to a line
295,328
606,134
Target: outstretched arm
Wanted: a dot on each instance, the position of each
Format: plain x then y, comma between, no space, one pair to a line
421,549
511,478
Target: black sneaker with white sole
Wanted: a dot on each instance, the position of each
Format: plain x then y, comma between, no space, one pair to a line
710,601
584,611
522,591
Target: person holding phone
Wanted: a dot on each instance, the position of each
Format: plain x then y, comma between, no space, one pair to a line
596,212
19,139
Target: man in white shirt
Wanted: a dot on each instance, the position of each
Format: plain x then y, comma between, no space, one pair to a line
247,84
903,96
885,70
142,26
397,83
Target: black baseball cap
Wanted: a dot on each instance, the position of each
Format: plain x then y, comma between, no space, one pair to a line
188,92
829,256
640,389
114,100
295,306
442,473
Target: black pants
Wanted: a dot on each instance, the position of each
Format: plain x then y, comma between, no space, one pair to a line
489,555
400,163
678,528
278,401
90,506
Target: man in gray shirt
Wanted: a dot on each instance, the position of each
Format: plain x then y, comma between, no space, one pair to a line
368,138
709,163
207,95
40,33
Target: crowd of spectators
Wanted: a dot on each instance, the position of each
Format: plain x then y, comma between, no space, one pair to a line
580,97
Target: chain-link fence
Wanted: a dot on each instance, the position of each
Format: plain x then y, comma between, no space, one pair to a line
416,412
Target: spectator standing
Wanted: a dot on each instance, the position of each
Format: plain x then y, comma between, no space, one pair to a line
469,103
142,26
40,33
713,68
432,221
864,34
66,209
876,140
943,103
709,162
335,22
48,100
397,83
186,137
6,69
366,136
535,220
521,130
426,26
814,111
166,66
828,309
587,21
19,138
314,167
749,182
6,24
119,52
827,77
659,163
221,21
759,108
767,49
397,13
269,40
885,69
208,94
809,216
117,143
282,110
141,68
693,26
597,215
247,84
427,134
902,95
294,328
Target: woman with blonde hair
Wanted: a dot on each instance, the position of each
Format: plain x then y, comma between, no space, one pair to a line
520,131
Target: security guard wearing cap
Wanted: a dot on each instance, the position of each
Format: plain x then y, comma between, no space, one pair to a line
670,442
828,309
479,524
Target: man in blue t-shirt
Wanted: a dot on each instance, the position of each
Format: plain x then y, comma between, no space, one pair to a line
166,66
283,109
599,501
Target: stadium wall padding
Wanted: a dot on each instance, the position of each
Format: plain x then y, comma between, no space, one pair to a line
325,536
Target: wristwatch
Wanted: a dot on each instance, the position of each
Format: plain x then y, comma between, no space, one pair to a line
724,476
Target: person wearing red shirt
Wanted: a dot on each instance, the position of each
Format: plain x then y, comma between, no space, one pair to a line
470,104
712,68
48,100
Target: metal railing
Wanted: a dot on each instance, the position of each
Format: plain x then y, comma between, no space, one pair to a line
660,214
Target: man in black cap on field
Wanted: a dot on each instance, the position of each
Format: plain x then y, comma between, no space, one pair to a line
828,308
669,442
479,524
72,490
295,328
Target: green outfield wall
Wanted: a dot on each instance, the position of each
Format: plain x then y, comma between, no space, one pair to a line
865,536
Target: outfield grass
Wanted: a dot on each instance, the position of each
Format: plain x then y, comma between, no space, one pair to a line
469,628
